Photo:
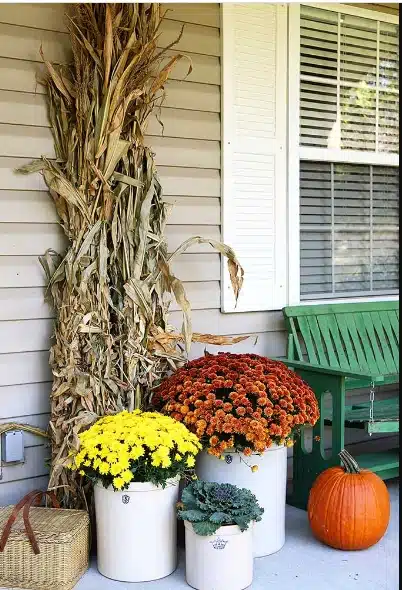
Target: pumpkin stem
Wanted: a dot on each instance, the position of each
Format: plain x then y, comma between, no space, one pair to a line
350,464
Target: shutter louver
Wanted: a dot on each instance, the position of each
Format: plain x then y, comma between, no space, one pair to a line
254,152
349,218
348,82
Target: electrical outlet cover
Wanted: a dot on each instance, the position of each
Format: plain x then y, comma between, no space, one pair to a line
12,446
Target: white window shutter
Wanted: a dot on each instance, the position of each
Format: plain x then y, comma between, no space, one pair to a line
254,195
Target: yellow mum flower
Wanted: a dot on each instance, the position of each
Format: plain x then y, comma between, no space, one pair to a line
97,463
124,461
79,458
166,462
136,452
190,462
126,476
164,451
115,444
104,468
118,482
156,460
115,469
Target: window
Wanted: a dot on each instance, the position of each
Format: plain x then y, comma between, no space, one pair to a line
348,230
348,82
348,152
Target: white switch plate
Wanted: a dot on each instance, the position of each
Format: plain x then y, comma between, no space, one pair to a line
12,447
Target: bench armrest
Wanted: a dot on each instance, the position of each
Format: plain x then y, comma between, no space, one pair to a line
302,365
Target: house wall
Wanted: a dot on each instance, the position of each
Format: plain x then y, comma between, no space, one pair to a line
188,159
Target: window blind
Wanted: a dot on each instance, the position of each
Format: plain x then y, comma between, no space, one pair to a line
349,76
348,230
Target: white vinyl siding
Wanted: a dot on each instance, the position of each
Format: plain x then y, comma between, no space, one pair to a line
254,151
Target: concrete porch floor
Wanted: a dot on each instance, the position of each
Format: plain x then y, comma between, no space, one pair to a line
303,563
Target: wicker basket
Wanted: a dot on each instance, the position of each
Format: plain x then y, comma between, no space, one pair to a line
43,548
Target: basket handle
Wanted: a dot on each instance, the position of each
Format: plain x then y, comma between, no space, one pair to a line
12,518
29,498
36,498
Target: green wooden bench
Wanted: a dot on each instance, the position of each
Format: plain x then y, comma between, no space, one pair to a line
341,347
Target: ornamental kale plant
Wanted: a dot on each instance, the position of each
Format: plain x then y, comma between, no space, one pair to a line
209,505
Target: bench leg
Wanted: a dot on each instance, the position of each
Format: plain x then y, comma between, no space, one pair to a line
308,465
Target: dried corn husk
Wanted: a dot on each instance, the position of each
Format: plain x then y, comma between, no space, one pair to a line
112,339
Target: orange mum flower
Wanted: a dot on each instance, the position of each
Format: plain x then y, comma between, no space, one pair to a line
259,446
241,401
262,401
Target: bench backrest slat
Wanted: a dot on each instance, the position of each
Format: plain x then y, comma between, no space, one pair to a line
350,336
350,349
361,325
307,328
386,345
329,345
393,338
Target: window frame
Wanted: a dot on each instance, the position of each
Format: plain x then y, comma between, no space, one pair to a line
296,152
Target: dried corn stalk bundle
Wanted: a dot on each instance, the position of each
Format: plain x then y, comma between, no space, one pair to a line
113,342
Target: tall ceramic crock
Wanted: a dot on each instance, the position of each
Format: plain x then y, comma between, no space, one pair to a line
136,531
268,484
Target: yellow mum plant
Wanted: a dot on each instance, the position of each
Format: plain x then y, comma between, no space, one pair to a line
135,447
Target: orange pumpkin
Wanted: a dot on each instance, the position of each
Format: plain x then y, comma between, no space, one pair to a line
348,507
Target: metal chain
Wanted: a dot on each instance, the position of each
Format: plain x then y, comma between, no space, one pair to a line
372,394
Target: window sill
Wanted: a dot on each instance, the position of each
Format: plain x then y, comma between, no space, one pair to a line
350,300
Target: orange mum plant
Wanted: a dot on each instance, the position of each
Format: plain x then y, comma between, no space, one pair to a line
244,402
